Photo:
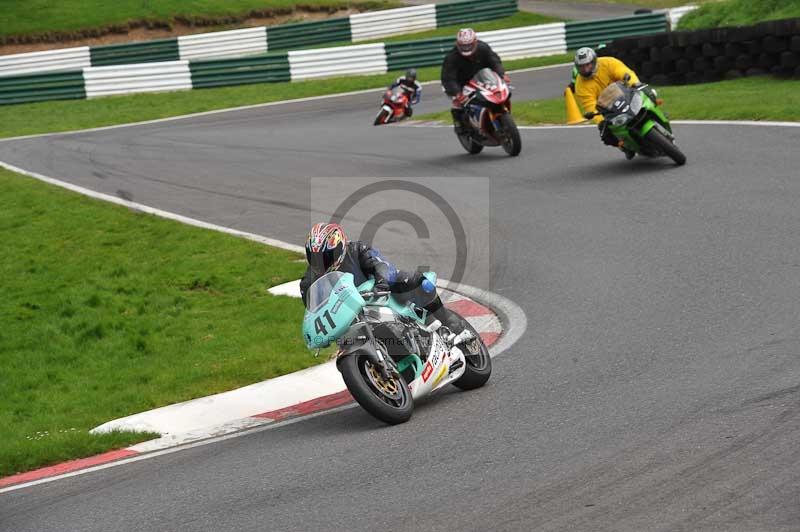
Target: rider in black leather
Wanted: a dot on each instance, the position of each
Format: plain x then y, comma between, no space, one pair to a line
466,59
328,249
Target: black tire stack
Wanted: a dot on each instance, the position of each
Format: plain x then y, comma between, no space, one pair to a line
701,56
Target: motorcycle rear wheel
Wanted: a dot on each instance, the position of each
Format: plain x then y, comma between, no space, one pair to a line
469,144
382,118
664,145
388,401
512,143
478,365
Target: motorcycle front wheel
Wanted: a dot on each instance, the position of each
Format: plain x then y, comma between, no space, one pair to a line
512,143
665,146
382,118
388,400
469,144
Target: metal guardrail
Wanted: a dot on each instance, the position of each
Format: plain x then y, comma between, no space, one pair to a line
269,68
532,41
594,32
42,87
376,24
148,77
234,43
140,52
305,34
402,55
327,62
49,61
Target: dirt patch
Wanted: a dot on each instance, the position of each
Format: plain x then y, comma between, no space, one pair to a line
147,30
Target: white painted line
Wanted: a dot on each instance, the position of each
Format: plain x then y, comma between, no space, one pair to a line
171,450
154,211
755,123
241,108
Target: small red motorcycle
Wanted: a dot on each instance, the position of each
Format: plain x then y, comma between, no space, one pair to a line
395,106
487,113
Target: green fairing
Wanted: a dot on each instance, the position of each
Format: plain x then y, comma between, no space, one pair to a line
410,360
657,115
331,320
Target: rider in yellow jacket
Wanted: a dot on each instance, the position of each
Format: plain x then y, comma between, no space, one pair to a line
595,74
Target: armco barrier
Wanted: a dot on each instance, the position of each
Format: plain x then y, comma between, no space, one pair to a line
460,12
305,34
327,62
148,77
533,41
377,24
594,32
140,52
234,43
238,43
42,87
49,61
269,68
710,55
402,55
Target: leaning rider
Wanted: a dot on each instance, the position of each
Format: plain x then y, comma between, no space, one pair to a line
466,59
328,249
412,86
597,73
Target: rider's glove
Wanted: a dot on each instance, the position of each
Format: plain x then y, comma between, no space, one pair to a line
459,99
382,285
506,78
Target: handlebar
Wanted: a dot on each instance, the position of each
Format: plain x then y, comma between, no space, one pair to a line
376,293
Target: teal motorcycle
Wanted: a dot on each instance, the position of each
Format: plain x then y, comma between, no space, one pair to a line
635,117
388,353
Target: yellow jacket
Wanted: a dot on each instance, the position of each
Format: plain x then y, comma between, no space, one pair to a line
587,90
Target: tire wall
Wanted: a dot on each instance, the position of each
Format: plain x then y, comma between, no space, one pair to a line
708,55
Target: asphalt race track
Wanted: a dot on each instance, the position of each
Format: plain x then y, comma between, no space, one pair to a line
657,386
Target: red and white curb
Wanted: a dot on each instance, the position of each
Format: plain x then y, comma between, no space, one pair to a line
303,393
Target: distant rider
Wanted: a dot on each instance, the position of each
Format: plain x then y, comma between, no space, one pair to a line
412,86
466,59
597,73
328,249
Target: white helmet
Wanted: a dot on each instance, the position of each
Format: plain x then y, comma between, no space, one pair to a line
586,62
467,42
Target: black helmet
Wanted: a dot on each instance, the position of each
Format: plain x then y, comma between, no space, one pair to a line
411,74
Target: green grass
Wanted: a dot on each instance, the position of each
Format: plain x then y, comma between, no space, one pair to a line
39,16
45,117
643,3
739,13
107,312
743,99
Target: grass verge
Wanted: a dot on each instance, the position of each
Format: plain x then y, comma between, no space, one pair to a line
743,99
641,3
739,13
107,312
42,16
47,117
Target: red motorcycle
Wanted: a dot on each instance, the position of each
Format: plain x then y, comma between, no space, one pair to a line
487,113
395,105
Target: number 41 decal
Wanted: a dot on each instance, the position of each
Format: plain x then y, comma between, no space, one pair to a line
320,327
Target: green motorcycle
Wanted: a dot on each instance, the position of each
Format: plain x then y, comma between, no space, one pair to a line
635,117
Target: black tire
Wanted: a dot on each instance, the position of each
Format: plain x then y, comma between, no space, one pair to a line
472,147
381,118
662,144
513,143
479,366
354,370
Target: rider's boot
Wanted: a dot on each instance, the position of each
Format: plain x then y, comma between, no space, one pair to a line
629,154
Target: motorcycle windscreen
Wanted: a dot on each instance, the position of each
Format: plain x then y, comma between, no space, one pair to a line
610,94
320,292
485,76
